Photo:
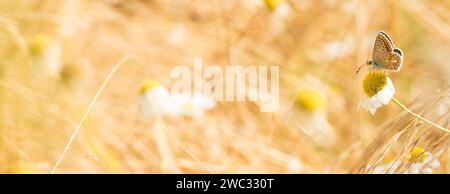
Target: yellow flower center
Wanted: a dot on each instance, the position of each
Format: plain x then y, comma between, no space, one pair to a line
417,155
148,84
374,82
38,43
309,100
272,4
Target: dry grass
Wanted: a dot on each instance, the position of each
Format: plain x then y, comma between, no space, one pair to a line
322,41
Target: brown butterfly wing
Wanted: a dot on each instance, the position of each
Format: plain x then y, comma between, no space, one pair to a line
395,60
385,55
389,38
381,51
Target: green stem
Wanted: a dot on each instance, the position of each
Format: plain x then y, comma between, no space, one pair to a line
418,116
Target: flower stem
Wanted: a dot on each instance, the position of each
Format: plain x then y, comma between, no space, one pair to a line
418,116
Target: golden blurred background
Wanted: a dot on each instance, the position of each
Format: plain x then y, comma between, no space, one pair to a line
56,56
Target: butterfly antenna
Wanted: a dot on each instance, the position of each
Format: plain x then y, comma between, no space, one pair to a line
360,67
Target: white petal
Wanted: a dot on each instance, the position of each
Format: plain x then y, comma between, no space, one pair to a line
370,104
391,86
374,102
381,96
386,94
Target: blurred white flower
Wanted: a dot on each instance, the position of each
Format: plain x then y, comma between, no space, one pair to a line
379,90
45,55
309,116
423,161
280,13
156,101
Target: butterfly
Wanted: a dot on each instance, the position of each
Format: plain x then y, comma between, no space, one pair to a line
385,55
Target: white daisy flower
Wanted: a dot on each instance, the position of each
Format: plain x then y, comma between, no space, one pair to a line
45,55
280,12
379,90
157,101
423,161
309,116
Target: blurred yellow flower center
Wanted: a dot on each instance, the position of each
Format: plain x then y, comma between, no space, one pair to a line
309,100
272,4
417,155
38,43
374,82
149,84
